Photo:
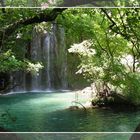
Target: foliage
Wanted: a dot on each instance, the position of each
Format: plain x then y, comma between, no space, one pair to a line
16,46
10,63
33,68
115,61
105,43
131,87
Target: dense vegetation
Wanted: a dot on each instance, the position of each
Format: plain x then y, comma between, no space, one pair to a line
109,48
104,41
17,30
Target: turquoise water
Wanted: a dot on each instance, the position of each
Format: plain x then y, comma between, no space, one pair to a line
47,112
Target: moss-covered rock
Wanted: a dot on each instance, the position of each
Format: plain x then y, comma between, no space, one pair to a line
112,100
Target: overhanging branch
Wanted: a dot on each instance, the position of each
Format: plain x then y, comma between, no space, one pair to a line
113,24
38,18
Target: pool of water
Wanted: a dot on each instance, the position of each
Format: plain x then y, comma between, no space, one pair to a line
47,112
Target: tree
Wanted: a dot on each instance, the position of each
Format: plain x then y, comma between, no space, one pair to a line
15,37
105,43
37,18
8,58
113,36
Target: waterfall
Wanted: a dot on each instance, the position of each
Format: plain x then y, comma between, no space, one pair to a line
64,60
49,48
36,56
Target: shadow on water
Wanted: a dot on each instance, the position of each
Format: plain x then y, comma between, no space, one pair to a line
94,120
49,113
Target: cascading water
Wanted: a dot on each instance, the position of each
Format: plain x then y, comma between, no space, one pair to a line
35,56
48,70
64,60
50,49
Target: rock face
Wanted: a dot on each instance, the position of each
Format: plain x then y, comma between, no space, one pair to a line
4,81
113,100
120,100
49,48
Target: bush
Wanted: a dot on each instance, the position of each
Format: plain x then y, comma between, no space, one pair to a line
132,88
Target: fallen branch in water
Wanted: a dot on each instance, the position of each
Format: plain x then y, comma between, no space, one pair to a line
79,104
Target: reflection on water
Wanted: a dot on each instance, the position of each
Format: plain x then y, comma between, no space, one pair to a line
47,112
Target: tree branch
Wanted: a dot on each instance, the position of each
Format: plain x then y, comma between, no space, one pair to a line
38,18
114,24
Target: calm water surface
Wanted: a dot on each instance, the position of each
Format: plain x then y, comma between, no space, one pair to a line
41,112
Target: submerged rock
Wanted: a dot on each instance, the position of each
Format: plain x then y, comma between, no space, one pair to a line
113,100
73,108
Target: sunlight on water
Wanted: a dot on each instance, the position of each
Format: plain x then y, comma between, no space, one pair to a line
49,112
